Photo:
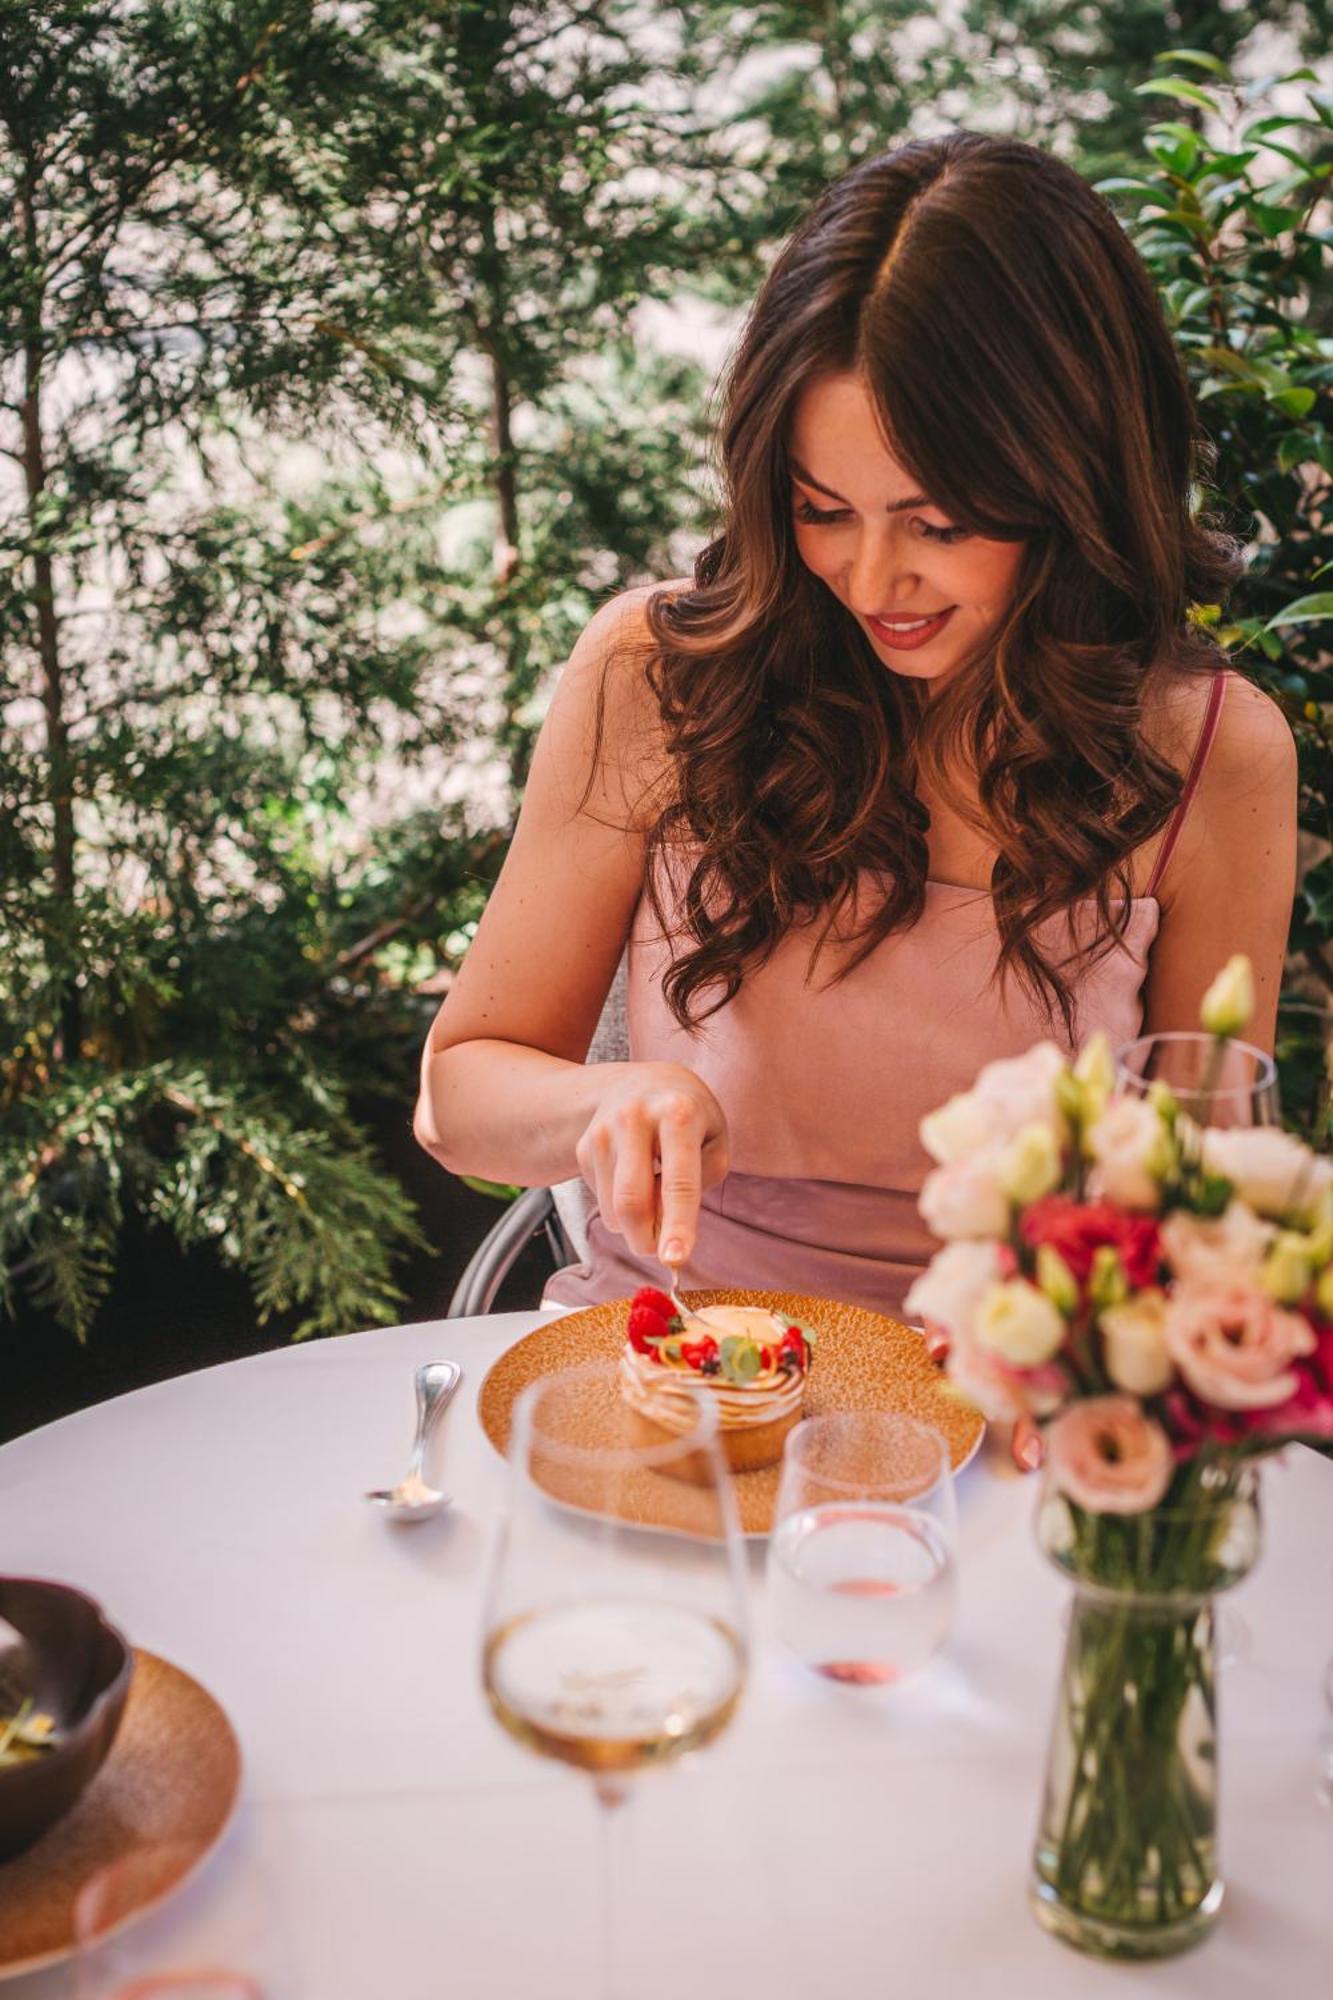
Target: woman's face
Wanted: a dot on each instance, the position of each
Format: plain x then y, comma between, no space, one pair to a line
884,550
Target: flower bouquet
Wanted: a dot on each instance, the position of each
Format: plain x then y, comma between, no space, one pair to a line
1158,1294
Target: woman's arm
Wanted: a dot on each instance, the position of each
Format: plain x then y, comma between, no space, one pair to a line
505,1092
1230,882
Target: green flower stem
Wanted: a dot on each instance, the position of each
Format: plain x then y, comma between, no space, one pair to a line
1126,1849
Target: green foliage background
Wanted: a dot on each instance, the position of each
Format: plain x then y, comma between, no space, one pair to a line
328,416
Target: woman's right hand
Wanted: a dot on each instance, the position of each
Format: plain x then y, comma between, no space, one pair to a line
657,1139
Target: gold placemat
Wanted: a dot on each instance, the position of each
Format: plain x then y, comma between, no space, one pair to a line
863,1361
172,1778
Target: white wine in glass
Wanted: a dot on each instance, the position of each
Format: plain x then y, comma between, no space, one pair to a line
615,1626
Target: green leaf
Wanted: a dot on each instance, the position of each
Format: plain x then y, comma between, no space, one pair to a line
1293,402
1305,611
1197,59
498,1190
1176,86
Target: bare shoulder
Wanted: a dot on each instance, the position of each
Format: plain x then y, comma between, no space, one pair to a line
603,729
1254,740
1251,726
1243,815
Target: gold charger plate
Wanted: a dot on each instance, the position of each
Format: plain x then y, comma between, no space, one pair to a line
173,1777
863,1361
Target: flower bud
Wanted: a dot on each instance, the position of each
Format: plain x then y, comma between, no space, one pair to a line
1030,1165
1095,1070
1071,1099
1287,1269
1056,1279
1229,1001
1108,1281
1323,1292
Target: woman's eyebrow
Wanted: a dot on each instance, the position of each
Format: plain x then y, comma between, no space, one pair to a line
892,507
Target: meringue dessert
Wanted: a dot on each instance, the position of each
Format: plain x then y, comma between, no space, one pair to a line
752,1361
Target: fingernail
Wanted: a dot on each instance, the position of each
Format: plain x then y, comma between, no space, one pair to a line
673,1252
1031,1451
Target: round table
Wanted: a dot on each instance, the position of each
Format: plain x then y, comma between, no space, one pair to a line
831,1841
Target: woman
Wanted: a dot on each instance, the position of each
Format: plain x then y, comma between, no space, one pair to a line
925,762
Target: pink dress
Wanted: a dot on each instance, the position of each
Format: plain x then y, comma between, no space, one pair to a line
824,1087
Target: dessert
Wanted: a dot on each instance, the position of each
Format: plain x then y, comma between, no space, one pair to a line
755,1369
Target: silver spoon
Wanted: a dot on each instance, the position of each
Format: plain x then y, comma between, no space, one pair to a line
412,1499
690,1312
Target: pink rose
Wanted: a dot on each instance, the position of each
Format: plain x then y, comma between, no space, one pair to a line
1108,1456
1232,1245
1234,1345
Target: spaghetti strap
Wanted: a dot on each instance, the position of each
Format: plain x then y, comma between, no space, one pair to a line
1212,717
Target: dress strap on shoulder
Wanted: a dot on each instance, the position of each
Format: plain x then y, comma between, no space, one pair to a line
1212,716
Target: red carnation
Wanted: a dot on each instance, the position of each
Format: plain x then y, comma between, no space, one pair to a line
646,1327
1078,1229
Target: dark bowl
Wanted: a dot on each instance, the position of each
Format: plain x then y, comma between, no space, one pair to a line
77,1669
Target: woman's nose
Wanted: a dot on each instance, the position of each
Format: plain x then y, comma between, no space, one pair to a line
880,577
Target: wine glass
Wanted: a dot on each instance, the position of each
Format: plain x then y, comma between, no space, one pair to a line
1215,1082
863,1558
615,1630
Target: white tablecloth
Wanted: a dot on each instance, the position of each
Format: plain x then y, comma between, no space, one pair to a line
833,1841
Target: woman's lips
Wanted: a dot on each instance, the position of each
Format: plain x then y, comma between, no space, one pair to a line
909,638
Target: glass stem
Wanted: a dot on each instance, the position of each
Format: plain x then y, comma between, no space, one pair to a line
613,1803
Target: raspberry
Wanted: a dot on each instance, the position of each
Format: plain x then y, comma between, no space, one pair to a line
645,1329
658,1302
765,1357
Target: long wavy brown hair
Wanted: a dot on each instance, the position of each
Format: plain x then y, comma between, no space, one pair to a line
1024,375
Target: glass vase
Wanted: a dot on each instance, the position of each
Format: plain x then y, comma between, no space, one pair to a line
1125,1864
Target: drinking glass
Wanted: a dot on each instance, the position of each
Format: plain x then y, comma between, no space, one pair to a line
863,1558
1214,1082
615,1628
144,1930
1218,1084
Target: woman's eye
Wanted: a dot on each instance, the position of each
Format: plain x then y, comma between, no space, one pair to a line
816,515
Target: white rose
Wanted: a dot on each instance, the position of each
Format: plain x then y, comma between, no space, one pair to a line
1132,1149
1269,1169
965,1198
953,1283
1020,1090
1135,1336
1019,1323
1007,1095
1233,1245
1030,1165
958,1128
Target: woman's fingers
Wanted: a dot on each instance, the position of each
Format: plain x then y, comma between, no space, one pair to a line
680,1148
1027,1445
634,1178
